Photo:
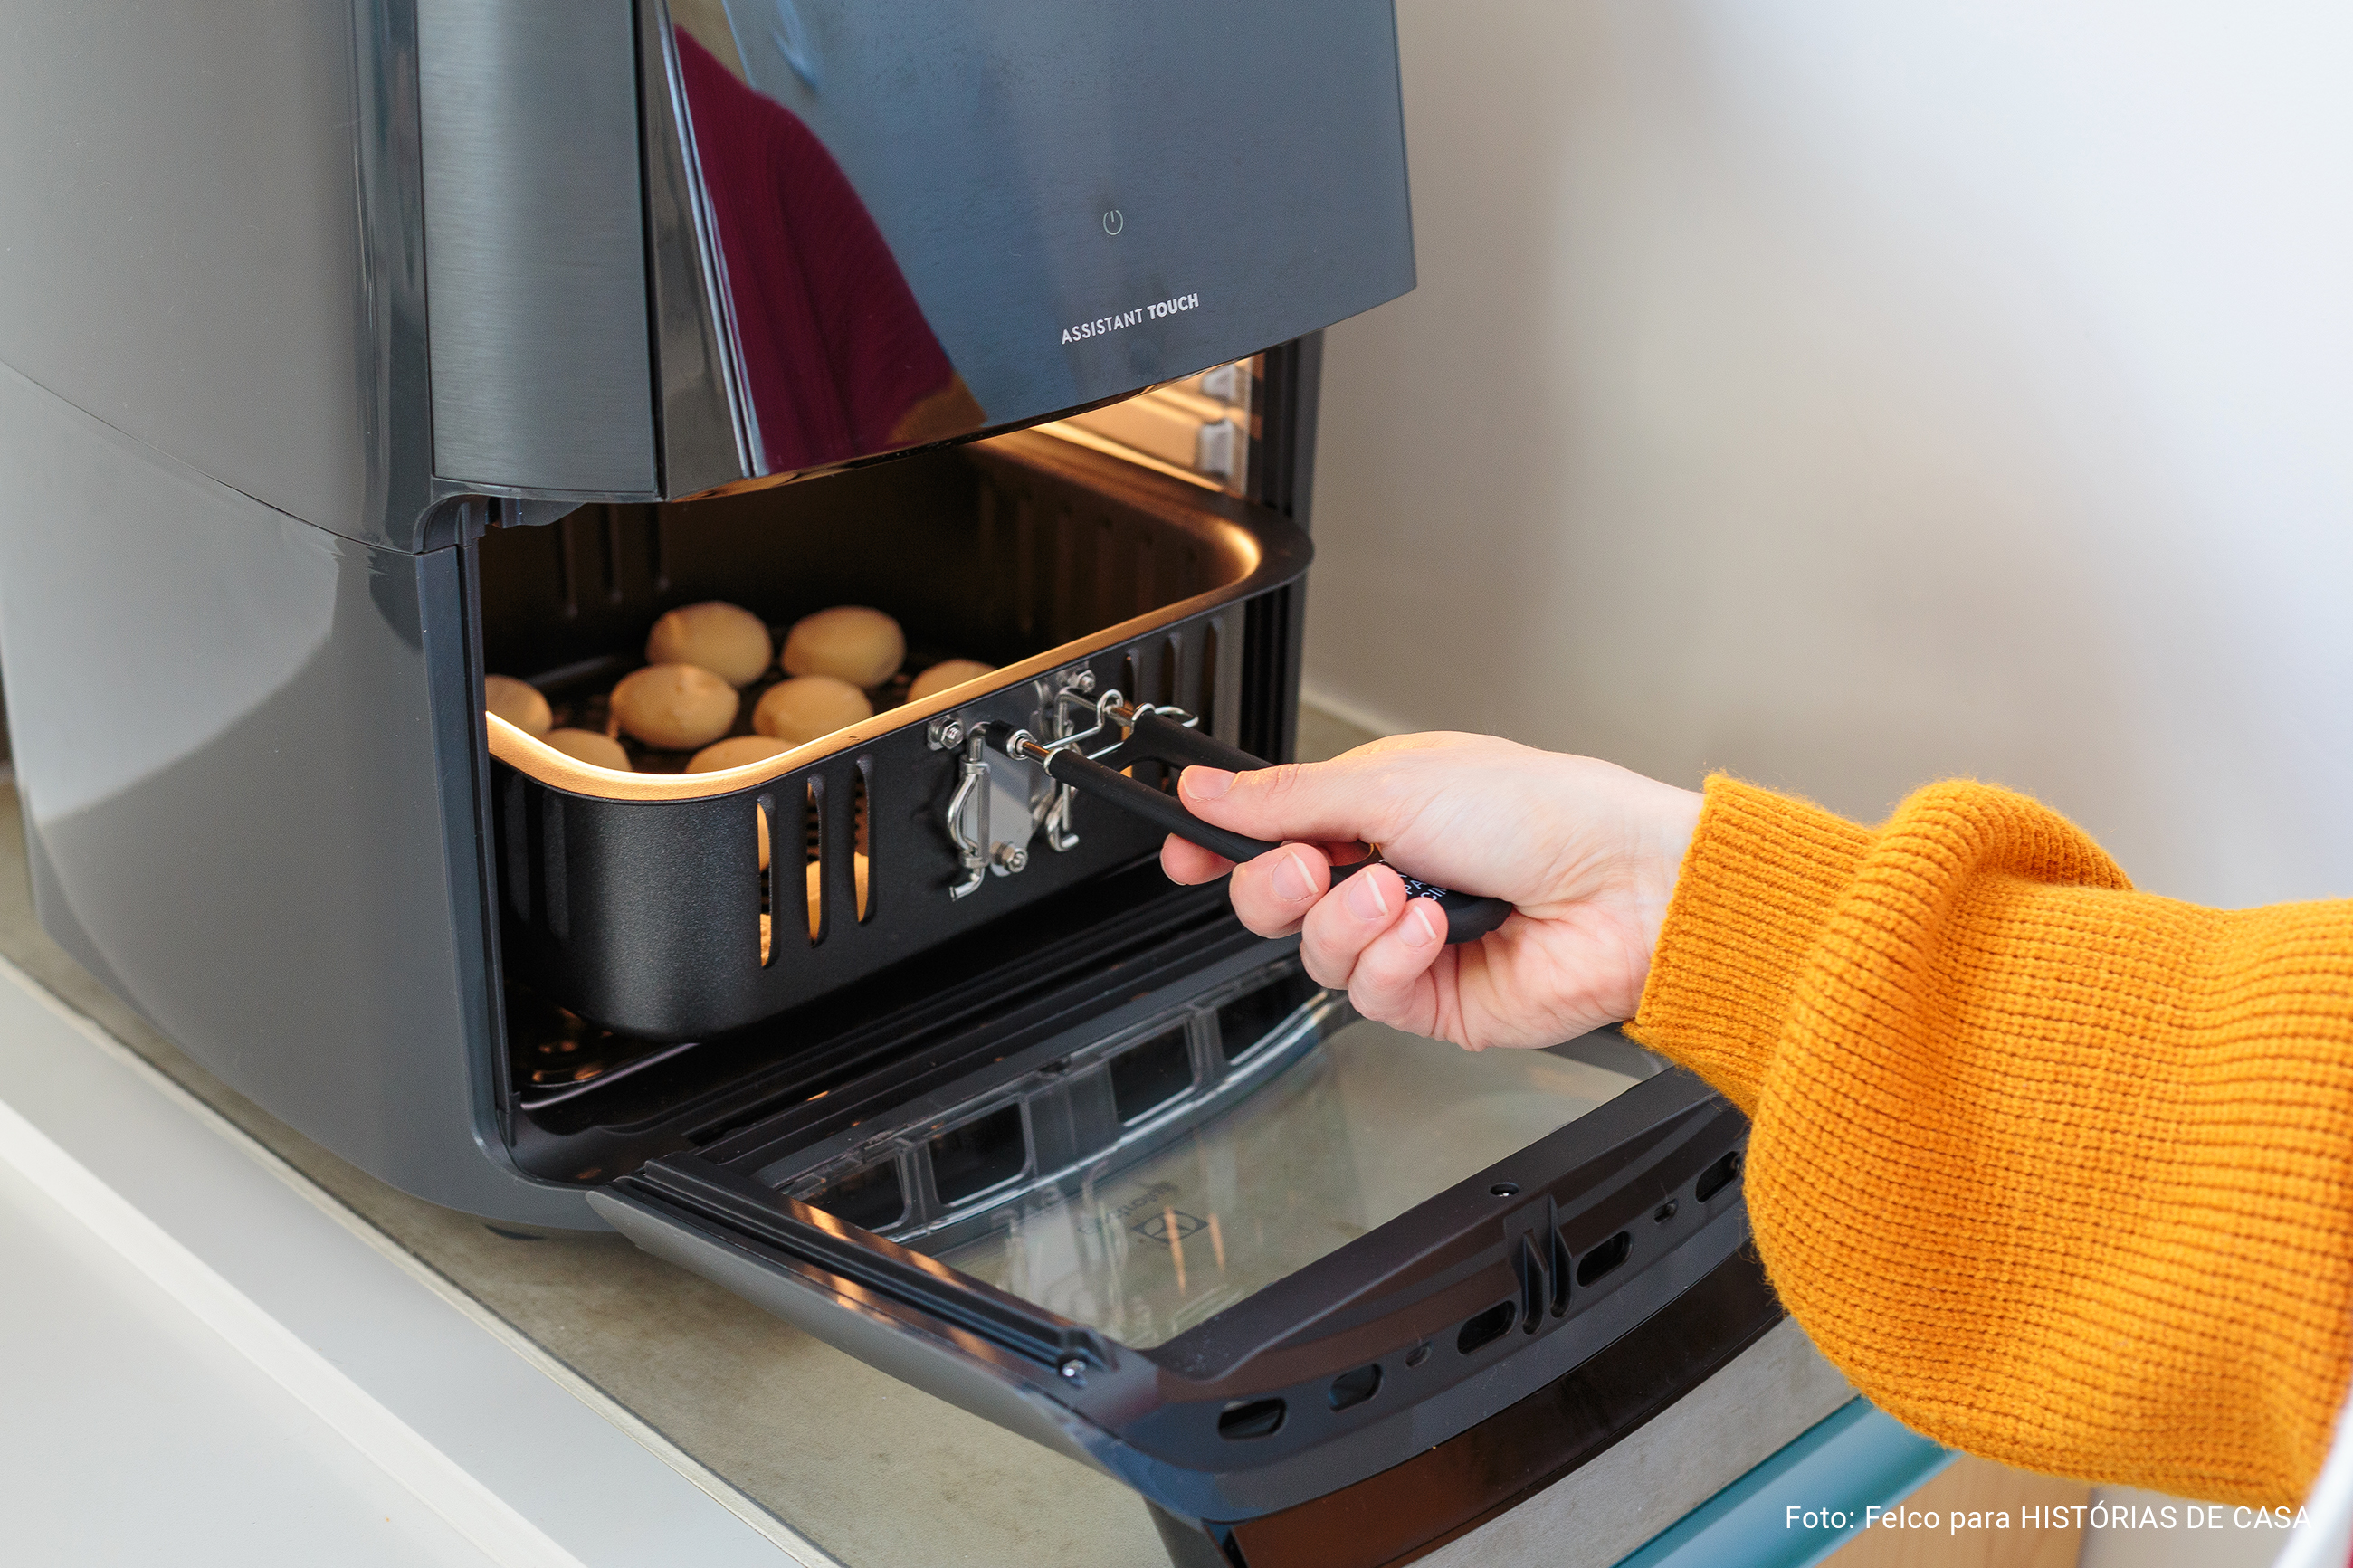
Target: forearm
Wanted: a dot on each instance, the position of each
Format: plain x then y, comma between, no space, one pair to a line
2057,1171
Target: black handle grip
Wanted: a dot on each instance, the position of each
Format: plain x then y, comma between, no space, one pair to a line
1164,811
1155,739
1468,917
1166,741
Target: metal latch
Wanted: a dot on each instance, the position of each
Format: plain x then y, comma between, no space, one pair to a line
1100,760
1002,803
994,813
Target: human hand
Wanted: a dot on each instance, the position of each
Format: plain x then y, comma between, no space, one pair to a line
1585,851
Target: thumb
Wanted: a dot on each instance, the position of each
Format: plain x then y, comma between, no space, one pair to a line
1319,803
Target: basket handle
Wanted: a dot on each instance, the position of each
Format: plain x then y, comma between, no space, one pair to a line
1152,737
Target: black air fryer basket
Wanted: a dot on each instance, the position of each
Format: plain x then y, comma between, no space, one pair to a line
644,907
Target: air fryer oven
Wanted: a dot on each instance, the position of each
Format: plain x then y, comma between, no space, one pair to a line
348,359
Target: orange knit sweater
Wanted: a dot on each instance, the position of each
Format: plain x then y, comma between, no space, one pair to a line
2055,1171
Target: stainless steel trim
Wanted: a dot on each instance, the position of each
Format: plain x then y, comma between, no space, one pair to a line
534,242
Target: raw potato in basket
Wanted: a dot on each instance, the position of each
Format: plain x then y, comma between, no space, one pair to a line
677,707
588,746
734,752
857,870
518,703
848,642
808,706
730,642
946,673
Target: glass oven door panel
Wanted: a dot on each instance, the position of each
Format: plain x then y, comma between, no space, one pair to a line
1165,1309
1361,1128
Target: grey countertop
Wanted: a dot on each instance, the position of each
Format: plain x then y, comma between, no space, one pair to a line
873,1471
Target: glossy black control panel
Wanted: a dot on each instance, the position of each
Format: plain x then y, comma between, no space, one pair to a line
931,217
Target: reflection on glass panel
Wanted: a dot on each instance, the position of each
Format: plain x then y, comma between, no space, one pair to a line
939,216
837,358
1361,1129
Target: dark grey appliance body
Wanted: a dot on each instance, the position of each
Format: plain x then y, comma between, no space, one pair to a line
298,298
292,289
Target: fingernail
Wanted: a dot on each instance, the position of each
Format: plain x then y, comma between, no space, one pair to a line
1418,929
1365,899
1207,783
1291,882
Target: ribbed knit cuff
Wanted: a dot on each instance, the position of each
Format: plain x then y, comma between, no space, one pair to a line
1760,879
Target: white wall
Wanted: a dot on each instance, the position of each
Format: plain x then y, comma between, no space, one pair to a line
1851,394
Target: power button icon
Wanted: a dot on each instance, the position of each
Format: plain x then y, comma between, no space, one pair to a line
1113,221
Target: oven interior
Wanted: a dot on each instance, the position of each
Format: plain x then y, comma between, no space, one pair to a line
1000,552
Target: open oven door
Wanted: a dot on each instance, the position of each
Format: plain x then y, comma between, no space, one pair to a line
1322,1300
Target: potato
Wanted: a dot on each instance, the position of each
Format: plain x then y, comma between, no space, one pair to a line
946,673
518,702
730,643
734,752
858,870
767,926
800,709
586,745
677,707
848,642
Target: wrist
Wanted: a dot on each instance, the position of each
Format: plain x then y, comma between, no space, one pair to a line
1759,878
1667,839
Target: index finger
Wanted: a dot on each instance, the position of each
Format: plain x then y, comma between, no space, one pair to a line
1347,798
